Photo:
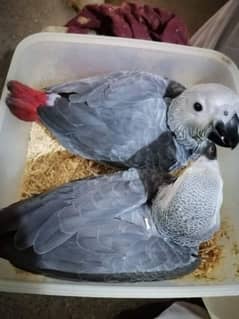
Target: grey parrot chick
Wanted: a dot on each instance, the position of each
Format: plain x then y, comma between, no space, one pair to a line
132,119
111,228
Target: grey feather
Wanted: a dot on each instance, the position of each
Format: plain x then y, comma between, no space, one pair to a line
139,259
116,118
48,220
95,229
189,210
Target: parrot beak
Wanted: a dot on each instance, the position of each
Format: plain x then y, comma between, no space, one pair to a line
226,134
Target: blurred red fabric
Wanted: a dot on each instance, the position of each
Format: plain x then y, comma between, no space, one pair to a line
130,20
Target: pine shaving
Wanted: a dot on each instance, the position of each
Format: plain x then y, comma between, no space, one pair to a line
210,253
49,165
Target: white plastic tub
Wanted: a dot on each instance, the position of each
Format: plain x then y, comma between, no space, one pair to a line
47,58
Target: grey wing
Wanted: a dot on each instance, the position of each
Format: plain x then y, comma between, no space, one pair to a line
113,119
82,86
112,250
47,221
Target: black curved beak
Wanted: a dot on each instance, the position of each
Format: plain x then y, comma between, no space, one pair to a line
226,135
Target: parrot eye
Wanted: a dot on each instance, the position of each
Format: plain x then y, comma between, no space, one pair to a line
197,107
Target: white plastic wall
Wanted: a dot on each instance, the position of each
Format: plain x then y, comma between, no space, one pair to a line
47,58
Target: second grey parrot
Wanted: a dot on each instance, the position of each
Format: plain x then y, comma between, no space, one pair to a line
128,226
132,119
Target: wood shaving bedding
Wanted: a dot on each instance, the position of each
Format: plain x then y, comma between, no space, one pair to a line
49,165
210,253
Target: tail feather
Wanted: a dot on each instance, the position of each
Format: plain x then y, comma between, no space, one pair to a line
24,101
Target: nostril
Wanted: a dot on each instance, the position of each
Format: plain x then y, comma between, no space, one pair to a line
225,113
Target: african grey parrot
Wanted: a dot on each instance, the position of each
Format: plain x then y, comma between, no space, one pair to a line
126,118
116,227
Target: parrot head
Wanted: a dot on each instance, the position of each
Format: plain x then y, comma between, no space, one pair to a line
206,110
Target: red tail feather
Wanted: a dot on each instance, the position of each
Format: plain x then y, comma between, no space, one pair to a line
24,101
